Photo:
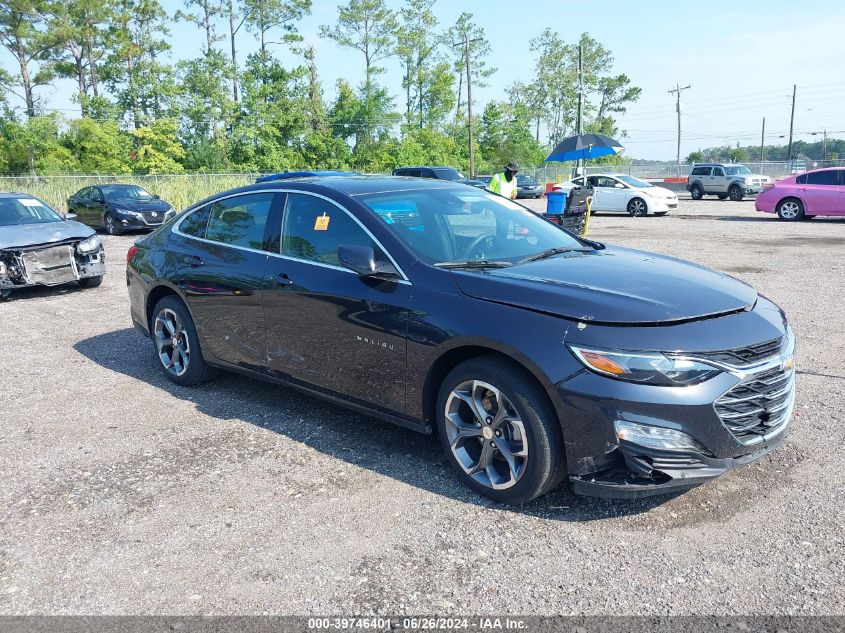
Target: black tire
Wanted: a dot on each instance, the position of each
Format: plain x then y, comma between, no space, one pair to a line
110,225
637,207
722,196
195,369
91,282
790,210
735,193
543,466
696,192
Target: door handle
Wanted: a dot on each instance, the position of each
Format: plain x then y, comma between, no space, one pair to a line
280,280
194,261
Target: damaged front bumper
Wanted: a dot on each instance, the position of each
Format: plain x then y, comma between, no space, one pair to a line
48,265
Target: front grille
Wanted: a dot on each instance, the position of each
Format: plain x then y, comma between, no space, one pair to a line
759,405
50,266
150,219
742,356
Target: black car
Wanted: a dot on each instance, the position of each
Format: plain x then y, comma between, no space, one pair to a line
535,355
528,187
119,208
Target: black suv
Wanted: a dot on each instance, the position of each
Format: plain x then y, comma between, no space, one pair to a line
437,173
535,355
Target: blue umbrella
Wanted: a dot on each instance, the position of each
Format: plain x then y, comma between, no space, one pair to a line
584,146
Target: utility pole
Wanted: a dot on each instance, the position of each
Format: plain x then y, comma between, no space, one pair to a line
763,140
466,44
791,122
677,92
579,164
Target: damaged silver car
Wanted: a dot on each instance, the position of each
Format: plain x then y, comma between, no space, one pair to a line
38,247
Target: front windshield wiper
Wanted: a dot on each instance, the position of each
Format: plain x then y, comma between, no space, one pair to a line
549,252
474,263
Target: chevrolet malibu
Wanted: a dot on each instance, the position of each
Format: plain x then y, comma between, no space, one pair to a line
534,355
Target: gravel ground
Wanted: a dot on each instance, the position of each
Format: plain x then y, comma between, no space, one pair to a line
124,494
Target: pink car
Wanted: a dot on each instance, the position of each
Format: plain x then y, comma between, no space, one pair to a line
819,192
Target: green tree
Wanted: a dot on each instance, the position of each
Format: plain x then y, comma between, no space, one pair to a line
694,157
505,135
23,33
157,148
34,146
416,46
98,146
264,16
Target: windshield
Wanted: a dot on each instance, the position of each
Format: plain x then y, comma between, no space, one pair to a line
526,180
737,170
449,174
457,224
125,192
16,211
635,182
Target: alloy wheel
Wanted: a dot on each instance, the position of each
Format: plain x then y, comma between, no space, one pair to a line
789,210
735,194
172,345
636,207
486,435
111,229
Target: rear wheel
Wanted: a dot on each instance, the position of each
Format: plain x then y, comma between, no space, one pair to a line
735,193
90,282
499,431
637,207
177,345
790,210
696,192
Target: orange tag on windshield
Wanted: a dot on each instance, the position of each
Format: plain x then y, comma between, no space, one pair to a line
322,223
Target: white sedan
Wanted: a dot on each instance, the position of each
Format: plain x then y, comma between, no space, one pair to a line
626,194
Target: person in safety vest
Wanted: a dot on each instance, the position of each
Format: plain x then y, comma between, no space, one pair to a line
505,183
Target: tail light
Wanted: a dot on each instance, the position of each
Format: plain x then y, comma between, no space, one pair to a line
131,253
768,185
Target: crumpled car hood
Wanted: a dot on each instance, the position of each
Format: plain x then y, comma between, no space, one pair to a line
21,235
615,285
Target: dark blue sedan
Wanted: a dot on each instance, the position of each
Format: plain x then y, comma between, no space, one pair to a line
536,356
119,208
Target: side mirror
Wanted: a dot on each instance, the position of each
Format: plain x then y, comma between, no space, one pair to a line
156,196
70,216
362,260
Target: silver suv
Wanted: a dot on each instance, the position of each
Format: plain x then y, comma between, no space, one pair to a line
725,181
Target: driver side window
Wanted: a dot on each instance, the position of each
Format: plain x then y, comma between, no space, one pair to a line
718,171
314,228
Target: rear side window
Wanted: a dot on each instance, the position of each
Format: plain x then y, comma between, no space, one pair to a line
196,223
240,221
701,171
314,229
827,178
801,180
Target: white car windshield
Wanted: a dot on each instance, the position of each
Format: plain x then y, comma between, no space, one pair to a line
16,211
737,170
458,224
635,182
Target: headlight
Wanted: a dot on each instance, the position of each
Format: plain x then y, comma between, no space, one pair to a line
122,211
644,367
89,245
656,437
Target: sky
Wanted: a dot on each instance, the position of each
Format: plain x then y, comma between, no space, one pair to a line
741,59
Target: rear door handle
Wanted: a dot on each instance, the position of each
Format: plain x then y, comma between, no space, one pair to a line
194,261
280,280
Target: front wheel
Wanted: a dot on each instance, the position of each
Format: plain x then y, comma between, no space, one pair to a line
177,345
499,431
637,207
91,282
735,193
790,210
111,225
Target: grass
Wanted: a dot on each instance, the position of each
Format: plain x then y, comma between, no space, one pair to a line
179,190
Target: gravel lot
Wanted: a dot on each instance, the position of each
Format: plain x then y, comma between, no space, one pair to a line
124,494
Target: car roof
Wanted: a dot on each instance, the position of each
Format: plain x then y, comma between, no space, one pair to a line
428,167
15,194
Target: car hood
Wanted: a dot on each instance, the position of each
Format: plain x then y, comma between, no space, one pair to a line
141,205
659,192
22,235
614,285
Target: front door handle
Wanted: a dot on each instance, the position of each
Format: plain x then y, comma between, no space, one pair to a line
280,280
194,261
